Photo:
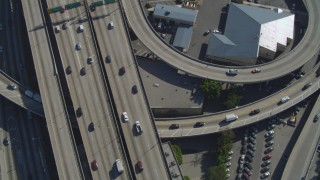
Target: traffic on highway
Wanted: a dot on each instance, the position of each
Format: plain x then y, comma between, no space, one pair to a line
91,96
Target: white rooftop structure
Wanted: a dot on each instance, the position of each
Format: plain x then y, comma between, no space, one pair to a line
248,29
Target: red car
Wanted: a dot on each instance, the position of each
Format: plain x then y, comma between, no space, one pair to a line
94,165
266,157
139,165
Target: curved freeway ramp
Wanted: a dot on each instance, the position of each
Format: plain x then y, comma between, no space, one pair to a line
17,96
303,52
215,122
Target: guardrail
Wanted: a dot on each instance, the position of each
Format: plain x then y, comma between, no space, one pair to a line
144,92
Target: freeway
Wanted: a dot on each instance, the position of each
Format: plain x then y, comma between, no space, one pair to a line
63,145
268,106
303,52
309,137
88,92
114,42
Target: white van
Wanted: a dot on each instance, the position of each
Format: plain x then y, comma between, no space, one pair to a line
231,117
28,93
81,28
119,166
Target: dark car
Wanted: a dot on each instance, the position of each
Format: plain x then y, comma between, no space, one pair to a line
108,59
249,159
254,112
248,165
79,112
92,8
94,165
174,126
269,138
134,89
268,150
68,70
243,150
247,170
83,71
265,169
6,141
265,163
306,86
122,70
266,157
91,127
199,124
140,165
270,143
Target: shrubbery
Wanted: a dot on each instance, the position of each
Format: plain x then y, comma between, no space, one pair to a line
177,152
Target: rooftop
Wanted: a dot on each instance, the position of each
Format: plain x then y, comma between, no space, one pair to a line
183,36
165,88
175,13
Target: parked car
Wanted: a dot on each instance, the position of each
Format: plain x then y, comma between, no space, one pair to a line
78,46
250,153
265,163
229,158
230,152
249,159
253,141
6,141
266,157
271,126
247,170
268,150
265,175
240,168
122,70
265,169
251,145
269,138
83,71
228,164
91,127
243,150
270,143
134,89
241,159
68,70
248,165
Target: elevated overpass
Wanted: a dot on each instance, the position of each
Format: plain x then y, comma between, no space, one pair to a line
268,106
59,128
303,52
17,96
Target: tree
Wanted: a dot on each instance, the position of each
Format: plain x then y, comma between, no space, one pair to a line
186,177
217,173
211,89
237,1
177,152
233,100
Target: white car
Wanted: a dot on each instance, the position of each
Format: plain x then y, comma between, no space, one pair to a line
285,99
125,116
265,175
110,25
230,152
232,72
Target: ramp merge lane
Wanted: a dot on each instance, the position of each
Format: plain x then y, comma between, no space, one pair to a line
61,136
303,52
114,42
88,93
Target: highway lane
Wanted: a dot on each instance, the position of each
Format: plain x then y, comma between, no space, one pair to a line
268,107
309,137
89,93
8,165
65,153
115,43
302,53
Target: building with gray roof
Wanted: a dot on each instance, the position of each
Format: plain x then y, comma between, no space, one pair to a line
170,93
175,14
183,37
251,32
